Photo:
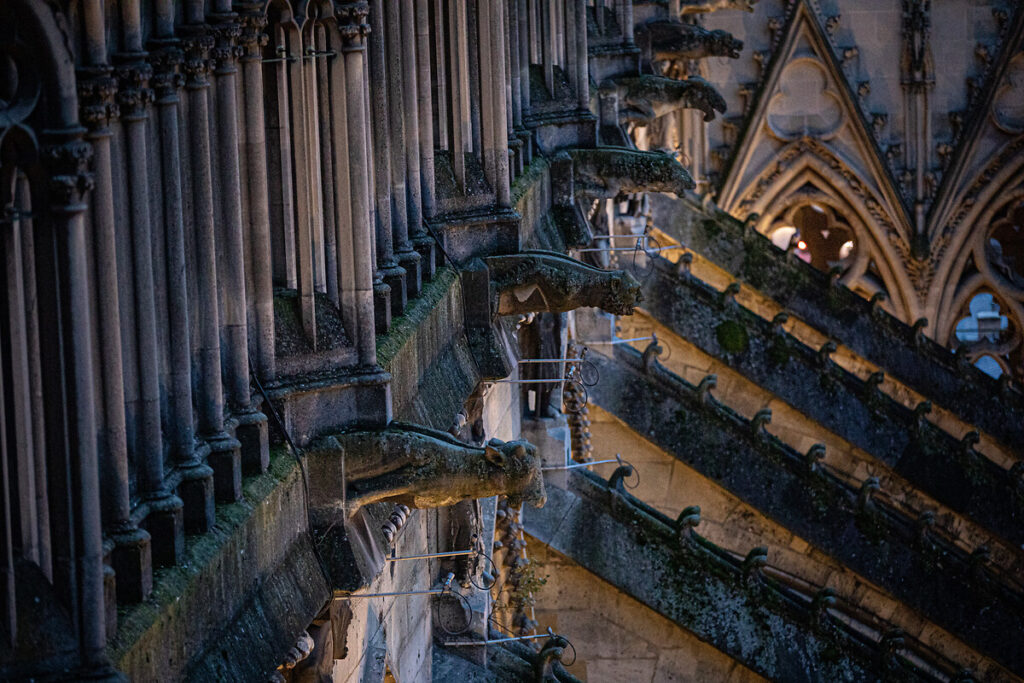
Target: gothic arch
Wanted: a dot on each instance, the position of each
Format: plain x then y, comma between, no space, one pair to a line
964,233
50,487
782,185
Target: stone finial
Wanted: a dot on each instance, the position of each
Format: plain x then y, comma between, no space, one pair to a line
875,300
728,296
917,331
685,264
651,353
874,382
891,643
924,525
824,600
617,482
755,561
815,454
865,503
826,351
707,383
760,420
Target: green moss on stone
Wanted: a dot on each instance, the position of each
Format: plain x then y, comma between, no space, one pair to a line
732,336
404,326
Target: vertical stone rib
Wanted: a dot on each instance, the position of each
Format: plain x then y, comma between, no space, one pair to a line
400,218
391,295
259,221
499,103
582,68
164,518
425,105
354,29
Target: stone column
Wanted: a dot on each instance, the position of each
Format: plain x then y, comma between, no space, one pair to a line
627,23
423,242
164,519
72,461
396,55
131,556
253,38
353,28
412,71
582,68
225,450
196,486
393,276
252,424
499,115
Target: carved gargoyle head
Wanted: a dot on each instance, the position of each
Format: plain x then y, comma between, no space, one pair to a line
418,467
519,466
548,281
722,44
606,172
623,294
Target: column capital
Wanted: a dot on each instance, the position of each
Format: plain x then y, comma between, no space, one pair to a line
226,30
97,92
134,93
253,32
197,44
67,158
352,24
166,58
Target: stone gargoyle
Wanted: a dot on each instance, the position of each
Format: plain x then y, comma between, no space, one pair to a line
607,172
644,98
533,281
420,468
663,40
701,6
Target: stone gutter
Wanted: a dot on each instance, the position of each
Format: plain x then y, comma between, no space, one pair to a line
730,603
856,527
902,351
807,379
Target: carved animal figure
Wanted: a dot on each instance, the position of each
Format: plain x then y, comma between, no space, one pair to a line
421,468
669,40
700,6
548,281
645,98
606,172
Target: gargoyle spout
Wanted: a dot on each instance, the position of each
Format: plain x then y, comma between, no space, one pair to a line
548,281
606,172
645,98
419,467
670,40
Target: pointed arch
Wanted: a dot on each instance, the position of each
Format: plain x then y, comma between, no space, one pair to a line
807,162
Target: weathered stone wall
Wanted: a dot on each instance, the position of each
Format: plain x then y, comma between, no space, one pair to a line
617,639
670,485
